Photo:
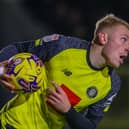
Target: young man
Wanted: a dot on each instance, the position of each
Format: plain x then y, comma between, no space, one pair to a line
81,73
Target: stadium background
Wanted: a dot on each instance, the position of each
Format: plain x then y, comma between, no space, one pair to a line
30,19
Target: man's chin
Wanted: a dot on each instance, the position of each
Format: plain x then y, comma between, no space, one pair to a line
114,65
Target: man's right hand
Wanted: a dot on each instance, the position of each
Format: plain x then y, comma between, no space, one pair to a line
5,79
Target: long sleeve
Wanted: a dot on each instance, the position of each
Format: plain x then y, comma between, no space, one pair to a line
96,111
7,52
78,121
45,48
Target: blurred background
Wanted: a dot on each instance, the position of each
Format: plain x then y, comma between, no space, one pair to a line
31,19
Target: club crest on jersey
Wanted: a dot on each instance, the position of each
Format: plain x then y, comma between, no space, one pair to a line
92,92
50,38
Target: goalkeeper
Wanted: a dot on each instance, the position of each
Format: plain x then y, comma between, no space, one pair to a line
80,83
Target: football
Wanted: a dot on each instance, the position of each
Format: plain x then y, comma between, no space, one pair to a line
27,72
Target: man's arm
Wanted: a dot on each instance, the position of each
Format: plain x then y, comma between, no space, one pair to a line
45,48
96,111
8,52
77,120
59,101
14,48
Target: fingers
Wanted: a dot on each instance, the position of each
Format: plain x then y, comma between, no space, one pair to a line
56,94
2,66
5,77
4,63
51,92
57,87
52,99
5,82
8,85
58,99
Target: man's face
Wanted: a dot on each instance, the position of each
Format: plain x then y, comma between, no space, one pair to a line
117,46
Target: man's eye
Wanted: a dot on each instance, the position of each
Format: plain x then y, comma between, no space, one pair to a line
123,39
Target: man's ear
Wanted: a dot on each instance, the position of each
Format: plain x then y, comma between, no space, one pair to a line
103,38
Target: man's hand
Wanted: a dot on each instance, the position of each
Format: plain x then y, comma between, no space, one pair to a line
5,78
58,99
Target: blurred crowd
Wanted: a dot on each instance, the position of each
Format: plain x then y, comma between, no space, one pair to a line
74,17
35,18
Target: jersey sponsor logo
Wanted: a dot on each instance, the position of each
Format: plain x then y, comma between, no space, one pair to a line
92,92
67,72
73,98
50,38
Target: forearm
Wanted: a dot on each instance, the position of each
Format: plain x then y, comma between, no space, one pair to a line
8,52
78,121
14,48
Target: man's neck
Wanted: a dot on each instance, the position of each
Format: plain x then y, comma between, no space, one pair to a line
96,58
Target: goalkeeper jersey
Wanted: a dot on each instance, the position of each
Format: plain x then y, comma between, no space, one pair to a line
66,62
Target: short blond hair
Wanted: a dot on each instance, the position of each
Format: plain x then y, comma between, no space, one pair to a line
108,21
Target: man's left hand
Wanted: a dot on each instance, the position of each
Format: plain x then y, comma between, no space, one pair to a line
58,99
